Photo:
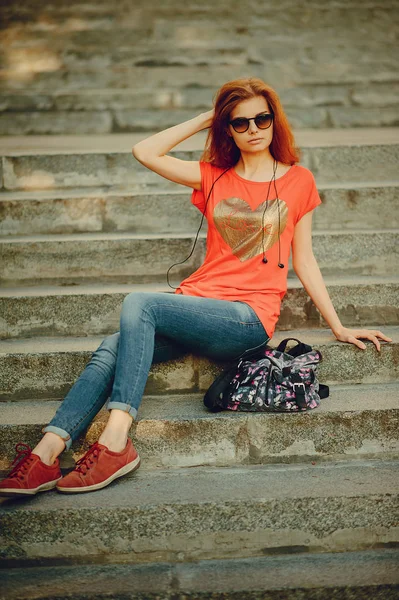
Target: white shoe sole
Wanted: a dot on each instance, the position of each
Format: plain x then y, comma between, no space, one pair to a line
132,466
41,488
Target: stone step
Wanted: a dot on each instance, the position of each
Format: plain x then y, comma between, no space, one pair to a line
40,368
280,74
134,16
355,422
95,309
136,49
112,257
117,143
198,26
117,119
209,513
145,258
366,156
106,210
173,96
355,575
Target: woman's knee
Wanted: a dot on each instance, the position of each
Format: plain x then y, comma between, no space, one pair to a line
109,346
135,304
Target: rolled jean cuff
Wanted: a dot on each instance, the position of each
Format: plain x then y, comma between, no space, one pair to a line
122,406
61,432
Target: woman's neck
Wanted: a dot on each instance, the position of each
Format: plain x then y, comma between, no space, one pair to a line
257,167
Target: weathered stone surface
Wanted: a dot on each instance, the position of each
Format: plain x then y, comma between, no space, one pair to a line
191,514
376,95
55,122
58,370
95,310
84,170
331,164
138,120
351,254
123,258
47,367
134,258
356,116
357,305
357,208
325,576
42,212
178,431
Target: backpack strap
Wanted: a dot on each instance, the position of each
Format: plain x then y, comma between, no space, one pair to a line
324,390
213,398
299,389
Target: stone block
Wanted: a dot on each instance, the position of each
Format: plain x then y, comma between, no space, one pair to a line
40,123
376,95
359,116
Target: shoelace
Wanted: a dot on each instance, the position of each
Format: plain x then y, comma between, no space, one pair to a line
21,461
84,464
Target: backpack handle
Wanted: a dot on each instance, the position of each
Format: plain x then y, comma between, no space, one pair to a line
297,350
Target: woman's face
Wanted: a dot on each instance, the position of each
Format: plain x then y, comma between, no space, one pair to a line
249,109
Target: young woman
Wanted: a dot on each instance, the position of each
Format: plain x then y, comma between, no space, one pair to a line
258,203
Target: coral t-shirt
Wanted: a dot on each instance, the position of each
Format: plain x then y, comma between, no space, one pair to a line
233,268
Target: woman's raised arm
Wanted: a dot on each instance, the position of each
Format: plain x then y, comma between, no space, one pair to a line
152,151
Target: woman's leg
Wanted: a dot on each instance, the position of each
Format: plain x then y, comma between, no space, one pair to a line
88,395
154,327
215,328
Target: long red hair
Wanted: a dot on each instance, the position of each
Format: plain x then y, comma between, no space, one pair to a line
221,150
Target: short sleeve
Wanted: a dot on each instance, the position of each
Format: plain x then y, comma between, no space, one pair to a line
198,197
310,200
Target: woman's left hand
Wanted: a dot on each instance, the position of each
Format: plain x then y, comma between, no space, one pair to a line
352,335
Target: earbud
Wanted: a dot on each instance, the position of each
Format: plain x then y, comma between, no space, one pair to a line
281,265
265,259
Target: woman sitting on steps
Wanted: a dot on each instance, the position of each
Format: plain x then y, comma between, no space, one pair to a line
258,203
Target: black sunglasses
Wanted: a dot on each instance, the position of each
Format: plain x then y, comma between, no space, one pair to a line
262,121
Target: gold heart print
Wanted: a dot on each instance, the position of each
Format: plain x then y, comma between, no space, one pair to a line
241,227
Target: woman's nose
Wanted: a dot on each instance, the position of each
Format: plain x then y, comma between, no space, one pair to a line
252,126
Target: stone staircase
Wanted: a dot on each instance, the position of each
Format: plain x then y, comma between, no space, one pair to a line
69,66
83,224
224,506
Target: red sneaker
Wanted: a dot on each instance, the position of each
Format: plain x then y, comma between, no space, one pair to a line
30,475
98,467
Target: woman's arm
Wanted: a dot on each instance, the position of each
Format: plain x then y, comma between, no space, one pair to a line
152,151
307,269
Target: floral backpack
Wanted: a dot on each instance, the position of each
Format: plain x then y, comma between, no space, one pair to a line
272,380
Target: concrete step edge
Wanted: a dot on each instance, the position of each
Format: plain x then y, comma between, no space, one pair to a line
176,407
124,142
42,345
111,288
111,236
275,575
118,191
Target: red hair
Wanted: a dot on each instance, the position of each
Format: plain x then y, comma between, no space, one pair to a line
220,148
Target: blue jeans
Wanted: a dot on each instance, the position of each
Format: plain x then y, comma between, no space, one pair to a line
154,327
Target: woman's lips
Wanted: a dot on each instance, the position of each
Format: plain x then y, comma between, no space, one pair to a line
255,141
